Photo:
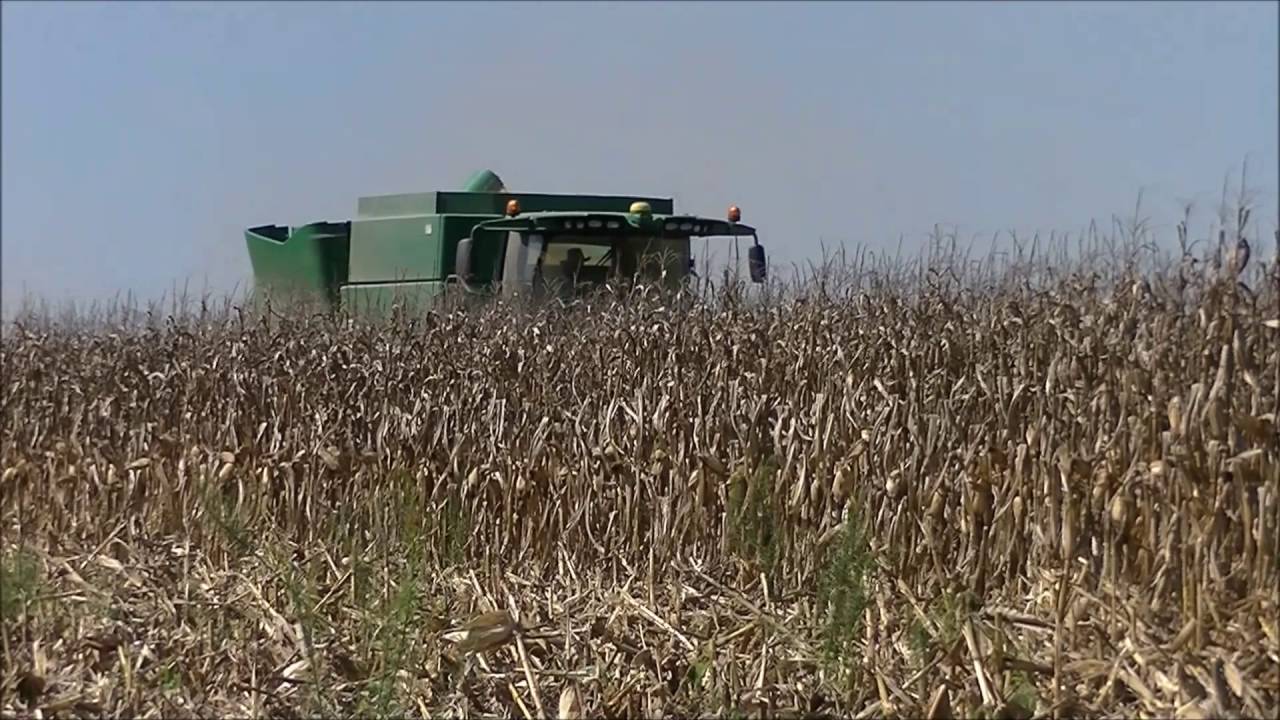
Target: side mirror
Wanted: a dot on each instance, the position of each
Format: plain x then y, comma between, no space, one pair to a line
462,260
755,261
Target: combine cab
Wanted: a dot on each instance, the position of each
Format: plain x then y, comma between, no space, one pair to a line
416,249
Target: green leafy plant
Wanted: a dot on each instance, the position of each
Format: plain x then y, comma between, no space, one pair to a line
19,583
843,591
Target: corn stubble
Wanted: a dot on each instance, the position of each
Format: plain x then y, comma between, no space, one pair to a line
1028,493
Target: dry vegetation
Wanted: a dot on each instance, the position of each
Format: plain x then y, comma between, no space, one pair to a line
876,494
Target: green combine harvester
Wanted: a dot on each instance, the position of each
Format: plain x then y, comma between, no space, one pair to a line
416,250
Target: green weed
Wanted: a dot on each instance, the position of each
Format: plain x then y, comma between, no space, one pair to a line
19,583
754,518
843,593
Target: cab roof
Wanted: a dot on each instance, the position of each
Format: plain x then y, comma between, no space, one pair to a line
612,223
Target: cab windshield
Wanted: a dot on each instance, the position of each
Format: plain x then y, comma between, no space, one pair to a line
568,264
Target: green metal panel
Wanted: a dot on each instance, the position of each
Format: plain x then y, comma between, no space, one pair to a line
419,248
486,254
396,249
495,203
312,259
378,299
390,206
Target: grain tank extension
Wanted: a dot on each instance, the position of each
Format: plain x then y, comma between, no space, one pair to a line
414,249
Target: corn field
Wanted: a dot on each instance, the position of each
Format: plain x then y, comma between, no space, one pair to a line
1030,490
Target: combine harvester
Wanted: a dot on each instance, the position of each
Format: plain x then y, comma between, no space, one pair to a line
416,250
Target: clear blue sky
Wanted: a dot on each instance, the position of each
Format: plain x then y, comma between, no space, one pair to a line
141,138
